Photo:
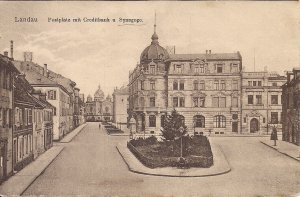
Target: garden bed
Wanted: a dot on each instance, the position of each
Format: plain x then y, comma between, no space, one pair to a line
153,154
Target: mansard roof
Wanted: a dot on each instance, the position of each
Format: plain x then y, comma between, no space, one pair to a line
212,56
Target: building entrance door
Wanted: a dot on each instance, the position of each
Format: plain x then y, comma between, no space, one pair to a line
3,160
254,125
235,127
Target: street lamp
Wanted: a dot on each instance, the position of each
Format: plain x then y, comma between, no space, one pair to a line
181,130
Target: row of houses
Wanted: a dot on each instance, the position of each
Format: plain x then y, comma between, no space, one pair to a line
37,107
211,91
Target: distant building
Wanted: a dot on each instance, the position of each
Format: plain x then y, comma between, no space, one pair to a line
99,109
7,74
120,106
261,102
291,108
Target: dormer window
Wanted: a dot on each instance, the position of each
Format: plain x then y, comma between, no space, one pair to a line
178,68
202,68
152,69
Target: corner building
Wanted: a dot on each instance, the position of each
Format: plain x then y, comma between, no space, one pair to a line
204,88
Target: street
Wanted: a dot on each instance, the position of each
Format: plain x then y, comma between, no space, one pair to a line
91,165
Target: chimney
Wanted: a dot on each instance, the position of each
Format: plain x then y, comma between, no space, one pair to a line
289,73
5,53
209,51
206,51
45,70
11,49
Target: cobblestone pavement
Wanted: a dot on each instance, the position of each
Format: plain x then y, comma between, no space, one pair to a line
91,165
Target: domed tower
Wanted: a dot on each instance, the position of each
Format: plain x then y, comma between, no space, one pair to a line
99,95
89,98
154,52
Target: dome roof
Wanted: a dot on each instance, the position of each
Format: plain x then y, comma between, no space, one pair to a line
99,93
154,51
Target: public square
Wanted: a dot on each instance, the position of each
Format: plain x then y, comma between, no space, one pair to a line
91,165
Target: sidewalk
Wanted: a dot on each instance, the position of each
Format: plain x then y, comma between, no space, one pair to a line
286,148
220,166
19,182
72,134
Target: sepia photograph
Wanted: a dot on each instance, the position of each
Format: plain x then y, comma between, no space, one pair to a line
149,98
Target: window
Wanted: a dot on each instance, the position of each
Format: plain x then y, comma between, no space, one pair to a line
152,121
175,101
254,83
219,102
152,69
152,85
178,68
223,86
219,121
198,101
52,95
274,99
29,116
202,85
216,85
234,101
175,85
234,68
196,69
222,102
142,101
234,84
250,99
249,83
181,102
258,99
245,120
274,117
219,68
274,84
195,85
1,117
152,101
181,85
259,83
142,85
199,121
202,69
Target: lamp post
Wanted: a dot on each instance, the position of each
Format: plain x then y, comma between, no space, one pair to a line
181,130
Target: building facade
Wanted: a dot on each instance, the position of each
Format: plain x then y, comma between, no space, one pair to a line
120,106
291,108
99,109
204,88
261,102
7,73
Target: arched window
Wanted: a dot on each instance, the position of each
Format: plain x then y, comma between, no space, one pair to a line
199,121
152,121
175,85
219,121
162,120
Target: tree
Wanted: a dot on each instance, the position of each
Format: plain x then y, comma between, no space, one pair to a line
171,126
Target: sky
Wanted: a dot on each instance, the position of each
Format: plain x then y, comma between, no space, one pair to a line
103,53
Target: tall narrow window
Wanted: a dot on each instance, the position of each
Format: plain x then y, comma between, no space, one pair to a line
250,99
179,69
219,68
195,85
216,85
234,85
258,99
274,117
181,85
199,121
142,85
175,85
152,101
222,102
223,85
152,121
202,69
175,101
234,101
181,102
274,99
202,85
196,69
219,121
152,85
152,69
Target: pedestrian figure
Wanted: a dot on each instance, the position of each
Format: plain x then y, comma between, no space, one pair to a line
274,136
209,132
99,125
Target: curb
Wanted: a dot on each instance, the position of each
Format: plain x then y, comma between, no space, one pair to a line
280,151
42,171
165,175
73,136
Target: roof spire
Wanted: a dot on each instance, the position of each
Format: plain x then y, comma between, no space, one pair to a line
154,36
155,22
